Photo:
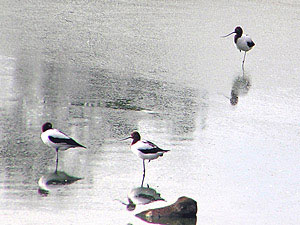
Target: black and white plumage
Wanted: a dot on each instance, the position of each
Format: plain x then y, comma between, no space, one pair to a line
57,139
243,42
145,150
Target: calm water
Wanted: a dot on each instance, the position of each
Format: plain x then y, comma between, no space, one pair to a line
100,69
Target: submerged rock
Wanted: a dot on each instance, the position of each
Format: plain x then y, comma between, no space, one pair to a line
184,207
171,220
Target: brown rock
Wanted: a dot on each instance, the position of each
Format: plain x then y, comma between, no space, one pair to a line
184,207
171,220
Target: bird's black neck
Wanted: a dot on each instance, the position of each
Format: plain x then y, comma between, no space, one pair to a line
135,140
236,37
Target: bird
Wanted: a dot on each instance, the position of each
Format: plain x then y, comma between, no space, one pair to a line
144,149
243,42
57,139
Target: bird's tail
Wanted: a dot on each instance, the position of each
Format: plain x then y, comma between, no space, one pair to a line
162,151
80,145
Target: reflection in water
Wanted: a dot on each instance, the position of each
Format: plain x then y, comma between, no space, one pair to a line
144,195
55,178
124,98
94,104
241,86
170,220
81,101
141,196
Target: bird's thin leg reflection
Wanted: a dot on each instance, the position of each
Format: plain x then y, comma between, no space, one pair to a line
56,161
144,174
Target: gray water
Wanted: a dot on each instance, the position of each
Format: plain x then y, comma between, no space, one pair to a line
97,70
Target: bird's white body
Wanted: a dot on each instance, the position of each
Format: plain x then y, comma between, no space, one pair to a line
242,43
141,147
145,150
58,140
56,134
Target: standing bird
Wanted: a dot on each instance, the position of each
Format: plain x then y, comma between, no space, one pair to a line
243,42
58,140
144,149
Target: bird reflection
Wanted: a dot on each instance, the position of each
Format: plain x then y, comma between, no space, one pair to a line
55,178
141,196
241,86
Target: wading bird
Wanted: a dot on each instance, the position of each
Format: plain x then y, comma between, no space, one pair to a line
146,150
243,42
58,140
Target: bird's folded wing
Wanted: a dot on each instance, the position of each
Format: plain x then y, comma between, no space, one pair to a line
150,151
68,141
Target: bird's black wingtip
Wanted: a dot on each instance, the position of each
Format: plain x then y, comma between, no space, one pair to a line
163,150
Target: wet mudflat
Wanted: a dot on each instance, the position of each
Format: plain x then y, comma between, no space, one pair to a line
99,70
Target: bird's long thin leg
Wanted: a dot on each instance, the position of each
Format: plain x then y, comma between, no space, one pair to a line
144,174
56,161
243,63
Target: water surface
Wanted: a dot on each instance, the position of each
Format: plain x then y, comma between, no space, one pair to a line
99,70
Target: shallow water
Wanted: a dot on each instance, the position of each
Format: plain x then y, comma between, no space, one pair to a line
99,70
